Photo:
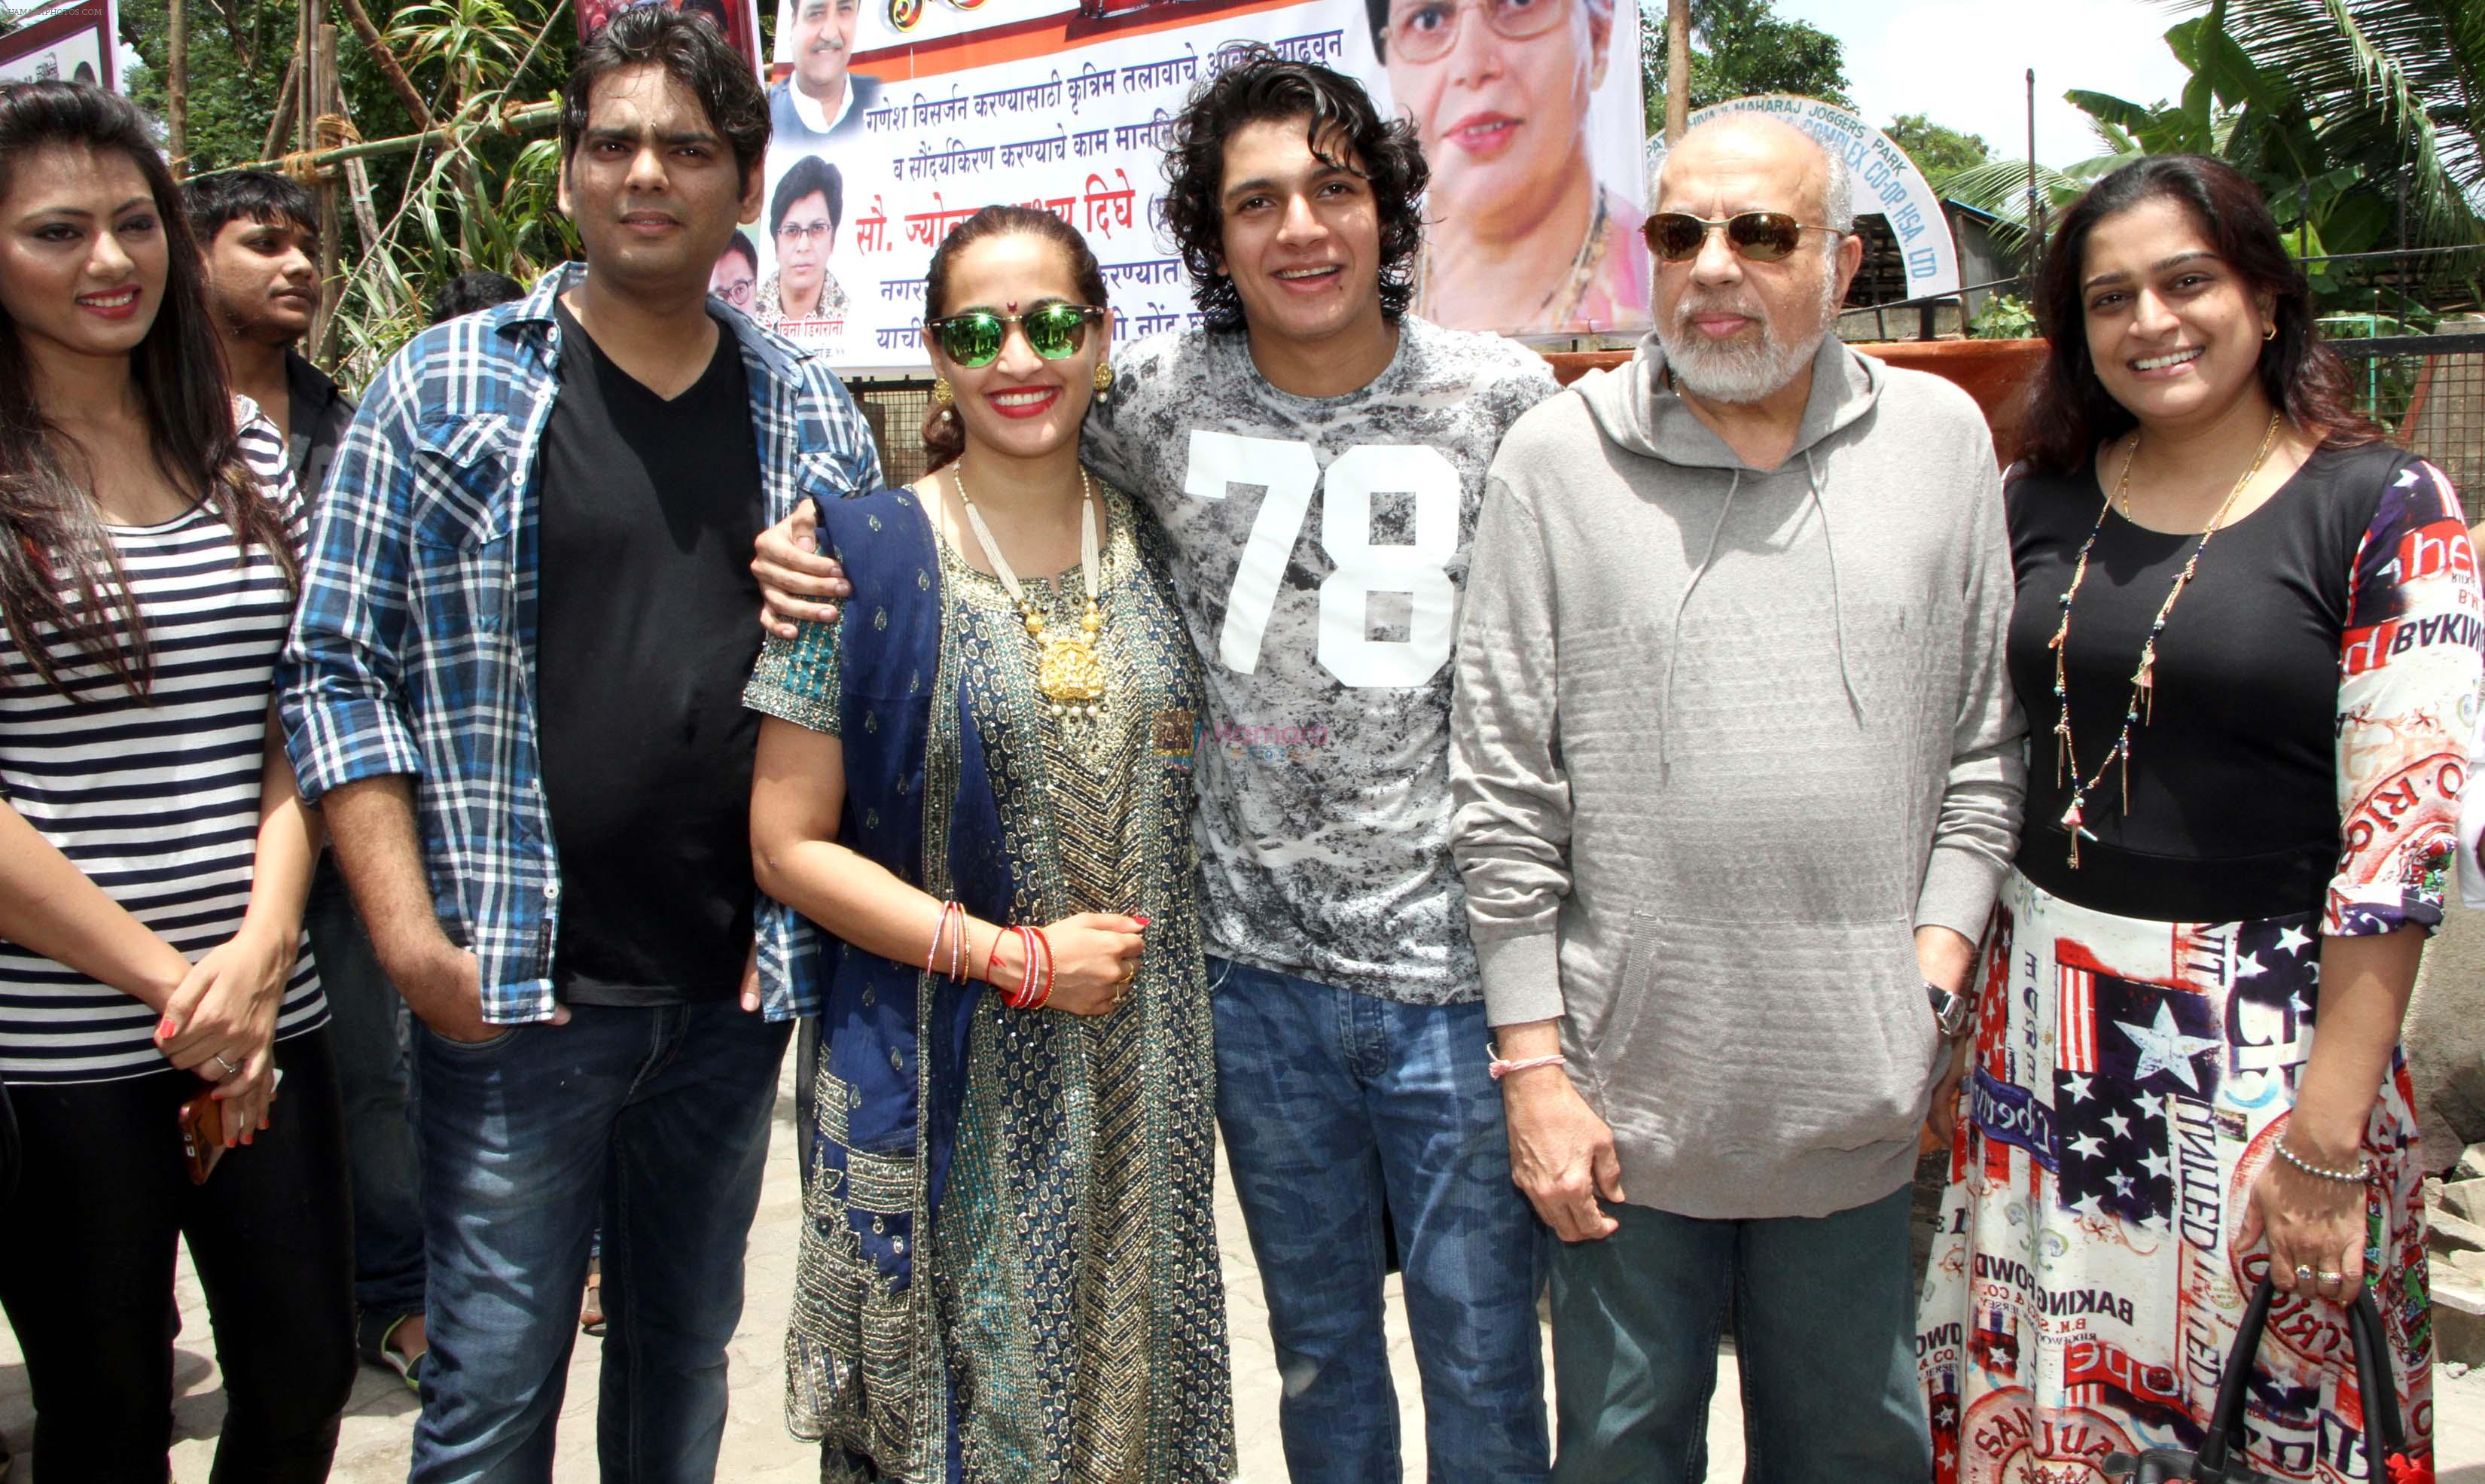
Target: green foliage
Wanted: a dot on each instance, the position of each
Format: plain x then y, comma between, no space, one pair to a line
2345,113
1738,48
2004,317
1938,152
481,199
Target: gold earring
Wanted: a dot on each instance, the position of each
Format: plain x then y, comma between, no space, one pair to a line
940,392
2269,331
1103,377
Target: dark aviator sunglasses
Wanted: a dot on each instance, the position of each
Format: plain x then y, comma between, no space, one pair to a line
1759,236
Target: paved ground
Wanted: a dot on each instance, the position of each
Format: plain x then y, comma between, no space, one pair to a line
756,1448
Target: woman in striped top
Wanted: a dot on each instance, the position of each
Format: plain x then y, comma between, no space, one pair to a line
153,853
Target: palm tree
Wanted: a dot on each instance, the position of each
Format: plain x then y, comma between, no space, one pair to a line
2353,116
2399,86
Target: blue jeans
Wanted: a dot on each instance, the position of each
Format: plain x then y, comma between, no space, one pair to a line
1333,1103
1825,1337
659,1119
368,1026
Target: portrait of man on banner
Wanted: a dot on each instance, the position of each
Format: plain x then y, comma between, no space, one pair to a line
814,98
738,20
1528,235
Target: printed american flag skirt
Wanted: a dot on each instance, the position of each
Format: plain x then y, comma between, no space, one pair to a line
2129,1082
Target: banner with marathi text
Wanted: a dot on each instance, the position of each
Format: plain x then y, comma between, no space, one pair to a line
1529,112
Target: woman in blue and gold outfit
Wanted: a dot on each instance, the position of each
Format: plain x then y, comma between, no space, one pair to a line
979,784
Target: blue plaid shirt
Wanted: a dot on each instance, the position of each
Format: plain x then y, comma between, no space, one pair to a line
413,644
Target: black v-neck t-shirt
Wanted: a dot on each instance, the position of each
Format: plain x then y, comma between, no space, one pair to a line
644,637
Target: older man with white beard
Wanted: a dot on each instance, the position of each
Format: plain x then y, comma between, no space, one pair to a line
1737,774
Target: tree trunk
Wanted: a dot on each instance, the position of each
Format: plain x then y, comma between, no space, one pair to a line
1678,71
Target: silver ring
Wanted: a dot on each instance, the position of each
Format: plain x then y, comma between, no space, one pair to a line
230,1070
2304,1271
2332,1278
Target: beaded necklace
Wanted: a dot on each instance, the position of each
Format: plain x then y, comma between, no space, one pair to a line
2143,696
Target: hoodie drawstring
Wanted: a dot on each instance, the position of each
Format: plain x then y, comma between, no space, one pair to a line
1674,642
1707,555
1837,609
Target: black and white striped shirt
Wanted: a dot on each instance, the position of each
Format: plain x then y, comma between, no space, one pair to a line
156,797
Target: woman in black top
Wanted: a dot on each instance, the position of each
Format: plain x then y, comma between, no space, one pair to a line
2246,636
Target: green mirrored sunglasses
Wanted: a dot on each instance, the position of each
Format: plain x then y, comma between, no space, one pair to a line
1052,332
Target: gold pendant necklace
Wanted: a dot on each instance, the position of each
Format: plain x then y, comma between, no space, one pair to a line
2143,680
1069,673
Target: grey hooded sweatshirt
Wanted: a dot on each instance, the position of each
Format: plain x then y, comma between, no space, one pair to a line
1723,739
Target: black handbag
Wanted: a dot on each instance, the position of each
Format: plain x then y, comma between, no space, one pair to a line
2221,1456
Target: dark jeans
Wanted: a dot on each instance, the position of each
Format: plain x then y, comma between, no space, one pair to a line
85,1274
1824,1339
367,1025
658,1117
1333,1105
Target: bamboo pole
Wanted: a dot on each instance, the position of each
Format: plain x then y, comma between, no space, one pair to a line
284,119
390,68
176,100
330,93
1678,71
525,119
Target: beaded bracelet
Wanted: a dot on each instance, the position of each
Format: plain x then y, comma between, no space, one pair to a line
2362,1172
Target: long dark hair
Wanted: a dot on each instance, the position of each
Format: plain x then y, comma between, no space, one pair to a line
51,529
1253,84
944,438
2072,414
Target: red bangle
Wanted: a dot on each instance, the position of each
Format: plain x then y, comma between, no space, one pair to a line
1017,998
990,959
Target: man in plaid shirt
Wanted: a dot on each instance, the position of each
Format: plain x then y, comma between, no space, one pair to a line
514,690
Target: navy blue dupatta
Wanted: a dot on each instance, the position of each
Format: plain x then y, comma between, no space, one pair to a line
915,777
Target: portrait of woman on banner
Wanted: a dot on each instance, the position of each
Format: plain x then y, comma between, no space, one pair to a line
802,299
1524,238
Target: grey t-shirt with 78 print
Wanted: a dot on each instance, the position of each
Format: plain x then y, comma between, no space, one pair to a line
1320,550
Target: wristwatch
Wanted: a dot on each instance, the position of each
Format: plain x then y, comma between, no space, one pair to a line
1951,1010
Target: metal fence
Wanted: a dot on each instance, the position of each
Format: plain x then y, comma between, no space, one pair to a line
2429,390
896,407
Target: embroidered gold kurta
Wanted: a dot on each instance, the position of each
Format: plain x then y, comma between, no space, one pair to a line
1072,1263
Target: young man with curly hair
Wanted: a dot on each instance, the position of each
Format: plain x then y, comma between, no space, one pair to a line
1317,457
